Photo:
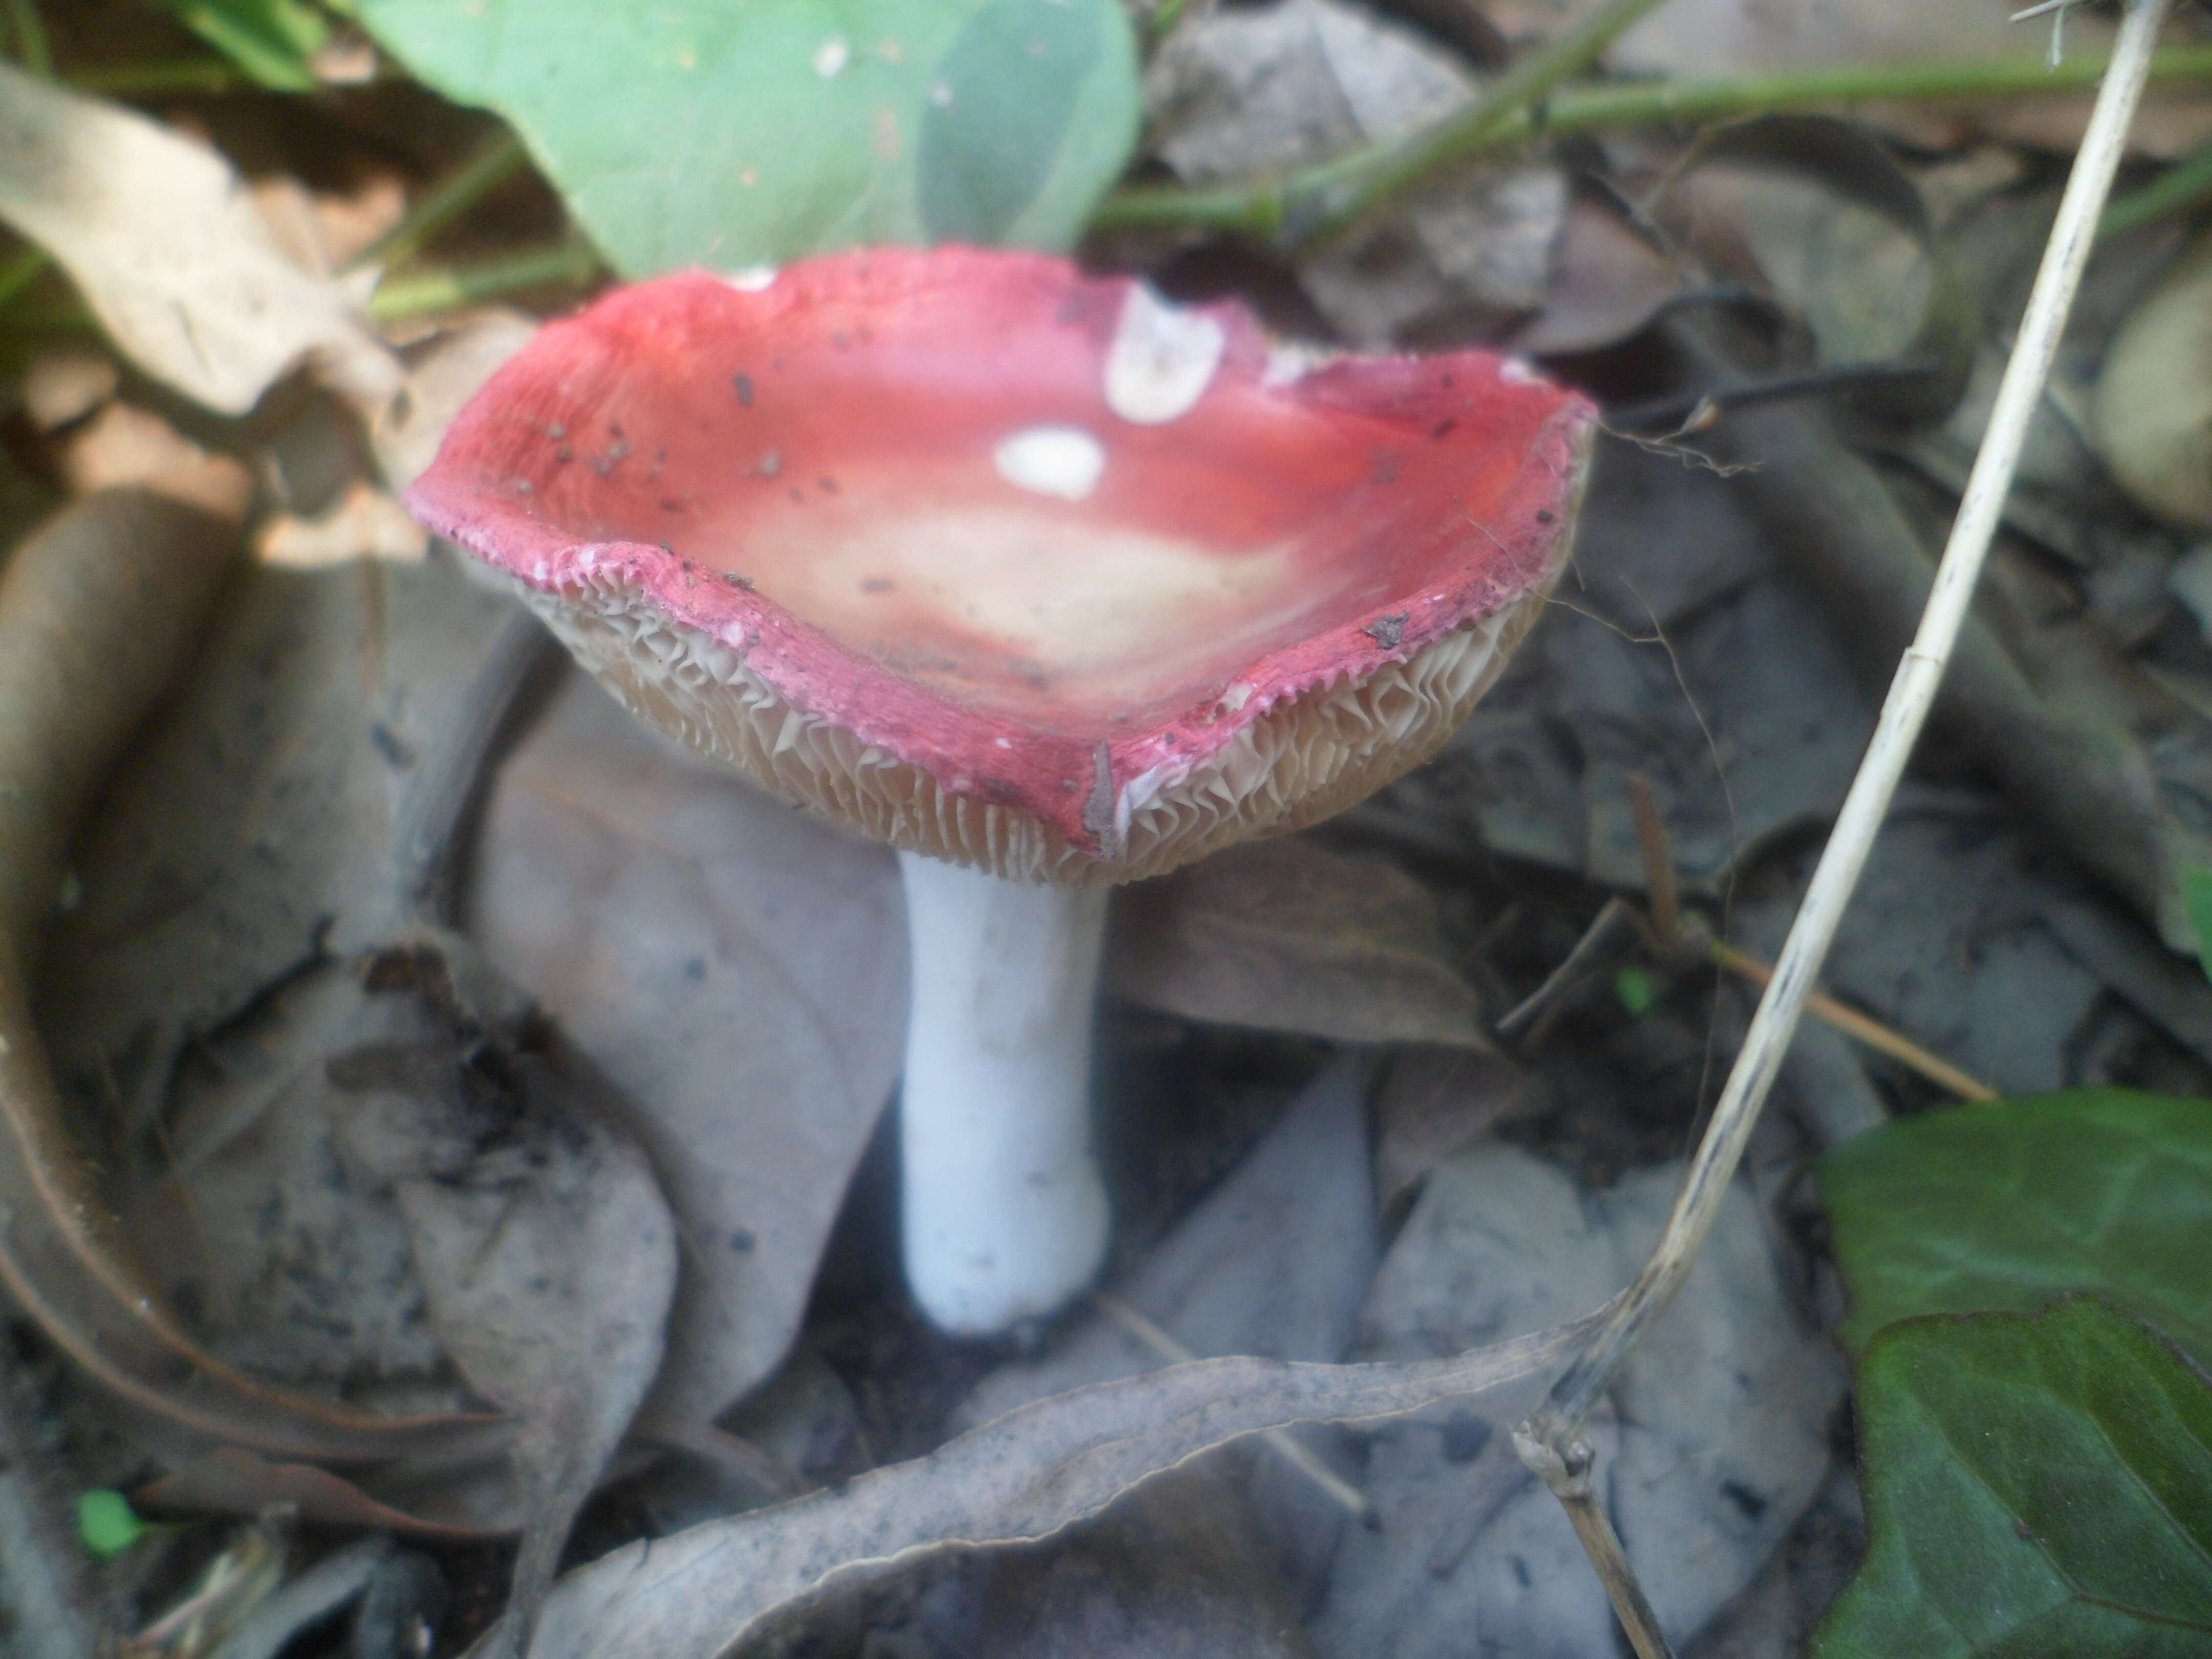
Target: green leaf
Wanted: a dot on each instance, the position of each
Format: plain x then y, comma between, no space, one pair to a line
2035,1486
2197,899
1638,988
733,132
274,42
2008,1204
107,1522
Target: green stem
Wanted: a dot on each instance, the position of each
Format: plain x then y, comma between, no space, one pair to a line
19,273
2182,185
496,161
31,50
1260,209
1349,185
177,74
572,264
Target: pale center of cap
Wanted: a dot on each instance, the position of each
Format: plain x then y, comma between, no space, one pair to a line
1161,360
1064,461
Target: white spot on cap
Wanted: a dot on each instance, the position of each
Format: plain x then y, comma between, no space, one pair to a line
1052,460
830,61
752,279
1518,370
1289,362
1004,743
1161,360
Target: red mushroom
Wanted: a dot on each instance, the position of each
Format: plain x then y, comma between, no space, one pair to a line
1042,581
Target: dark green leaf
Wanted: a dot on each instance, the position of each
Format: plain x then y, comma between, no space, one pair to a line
2036,1486
2006,1205
704,133
2196,898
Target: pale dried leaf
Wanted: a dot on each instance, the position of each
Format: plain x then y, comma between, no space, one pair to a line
125,446
169,251
704,1592
1285,936
1713,1440
61,387
366,524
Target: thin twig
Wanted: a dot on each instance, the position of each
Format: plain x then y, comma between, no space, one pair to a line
1568,1476
1552,1439
1292,1451
1256,208
1658,859
1870,1031
1556,1430
1595,938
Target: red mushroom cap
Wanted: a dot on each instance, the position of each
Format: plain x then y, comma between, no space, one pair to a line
1012,565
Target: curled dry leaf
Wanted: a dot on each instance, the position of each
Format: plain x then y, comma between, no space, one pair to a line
1286,936
97,615
228,1481
537,1231
706,1592
166,244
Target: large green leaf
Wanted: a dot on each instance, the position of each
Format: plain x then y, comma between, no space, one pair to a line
2007,1204
730,132
2036,1486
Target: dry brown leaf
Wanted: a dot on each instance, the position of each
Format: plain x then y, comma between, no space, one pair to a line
1286,936
1434,1102
164,242
1034,1472
737,970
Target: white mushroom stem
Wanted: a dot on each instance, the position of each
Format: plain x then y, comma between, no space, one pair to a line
1005,1215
